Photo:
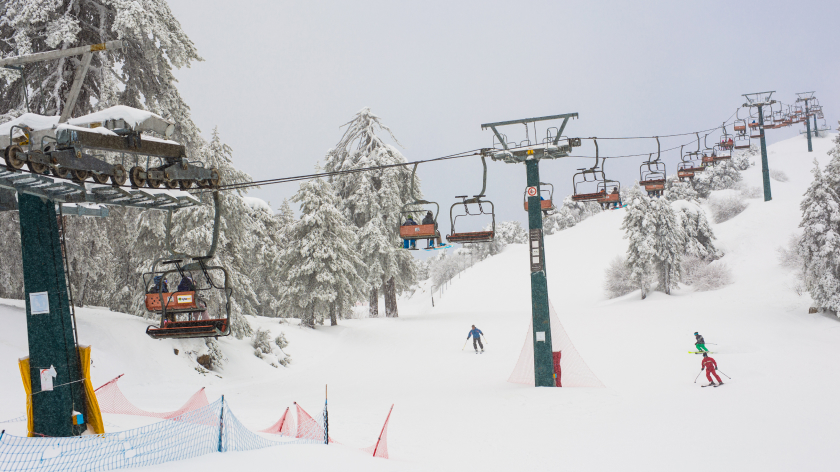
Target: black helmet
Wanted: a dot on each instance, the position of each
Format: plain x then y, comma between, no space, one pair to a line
705,355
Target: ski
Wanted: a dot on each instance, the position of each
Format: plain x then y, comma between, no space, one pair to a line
718,385
702,352
435,248
708,385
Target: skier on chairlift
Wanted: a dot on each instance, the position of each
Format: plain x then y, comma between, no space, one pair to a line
476,335
429,219
616,204
409,243
711,366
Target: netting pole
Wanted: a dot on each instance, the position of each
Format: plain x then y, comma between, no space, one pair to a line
326,419
376,448
221,423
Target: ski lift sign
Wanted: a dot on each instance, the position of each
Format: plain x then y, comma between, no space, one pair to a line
532,191
535,243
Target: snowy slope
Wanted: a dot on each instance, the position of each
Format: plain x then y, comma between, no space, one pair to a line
454,409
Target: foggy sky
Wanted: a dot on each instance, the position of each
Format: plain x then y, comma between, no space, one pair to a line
280,78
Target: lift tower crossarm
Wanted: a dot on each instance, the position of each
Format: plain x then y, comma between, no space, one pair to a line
538,150
59,53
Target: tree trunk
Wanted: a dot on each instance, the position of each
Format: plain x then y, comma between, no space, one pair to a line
374,303
667,278
391,299
333,320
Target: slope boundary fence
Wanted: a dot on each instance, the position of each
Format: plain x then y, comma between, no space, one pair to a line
212,428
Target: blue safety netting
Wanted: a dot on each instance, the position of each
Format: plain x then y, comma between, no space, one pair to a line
210,429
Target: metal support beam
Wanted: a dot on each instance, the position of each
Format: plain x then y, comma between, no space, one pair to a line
529,120
59,53
560,130
78,79
808,126
765,169
541,320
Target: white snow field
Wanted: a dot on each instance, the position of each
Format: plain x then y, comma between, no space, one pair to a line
455,411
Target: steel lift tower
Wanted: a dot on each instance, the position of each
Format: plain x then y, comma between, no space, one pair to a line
554,146
760,100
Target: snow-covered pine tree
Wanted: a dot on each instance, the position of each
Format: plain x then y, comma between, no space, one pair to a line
11,277
669,244
819,245
719,177
569,214
699,236
375,198
321,269
675,189
639,227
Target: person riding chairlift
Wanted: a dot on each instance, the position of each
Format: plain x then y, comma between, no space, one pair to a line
616,204
156,287
429,219
409,243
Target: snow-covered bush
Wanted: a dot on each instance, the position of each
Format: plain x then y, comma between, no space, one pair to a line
568,214
214,357
778,175
726,206
261,342
678,190
698,234
752,192
719,177
705,276
741,159
281,341
618,281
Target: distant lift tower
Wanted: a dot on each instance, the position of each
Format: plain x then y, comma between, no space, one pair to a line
530,153
760,100
49,323
805,97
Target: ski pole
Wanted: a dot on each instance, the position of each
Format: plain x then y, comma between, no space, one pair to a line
465,344
485,338
698,376
728,377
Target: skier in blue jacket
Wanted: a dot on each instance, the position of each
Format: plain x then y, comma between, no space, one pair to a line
476,335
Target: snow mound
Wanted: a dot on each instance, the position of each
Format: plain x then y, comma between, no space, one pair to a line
257,204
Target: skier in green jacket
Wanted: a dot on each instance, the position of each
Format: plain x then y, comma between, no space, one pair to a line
700,343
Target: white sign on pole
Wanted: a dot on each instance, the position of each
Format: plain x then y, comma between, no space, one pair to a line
532,191
39,303
540,336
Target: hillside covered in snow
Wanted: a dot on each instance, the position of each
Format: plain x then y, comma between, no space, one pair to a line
456,410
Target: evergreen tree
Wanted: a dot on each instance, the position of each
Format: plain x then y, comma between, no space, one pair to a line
719,177
639,227
819,245
669,245
372,201
321,269
699,236
675,189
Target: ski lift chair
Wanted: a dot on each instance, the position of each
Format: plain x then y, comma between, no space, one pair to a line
472,236
741,141
610,198
546,204
652,177
479,201
755,128
740,127
685,171
586,177
721,153
418,231
191,305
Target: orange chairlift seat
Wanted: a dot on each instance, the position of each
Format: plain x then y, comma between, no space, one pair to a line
546,204
479,201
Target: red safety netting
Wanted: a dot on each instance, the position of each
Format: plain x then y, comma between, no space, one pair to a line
380,449
309,428
574,371
112,400
285,426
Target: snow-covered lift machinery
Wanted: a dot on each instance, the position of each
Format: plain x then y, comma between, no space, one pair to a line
51,327
760,100
480,207
415,207
192,298
554,146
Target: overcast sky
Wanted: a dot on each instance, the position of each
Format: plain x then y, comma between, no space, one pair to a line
280,78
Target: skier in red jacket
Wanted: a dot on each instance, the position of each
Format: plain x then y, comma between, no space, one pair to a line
711,366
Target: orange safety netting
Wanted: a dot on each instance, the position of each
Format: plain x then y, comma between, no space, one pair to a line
309,428
575,372
112,400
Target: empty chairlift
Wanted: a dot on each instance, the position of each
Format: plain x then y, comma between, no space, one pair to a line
476,206
590,184
546,204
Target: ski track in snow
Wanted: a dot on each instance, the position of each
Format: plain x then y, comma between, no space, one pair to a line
454,410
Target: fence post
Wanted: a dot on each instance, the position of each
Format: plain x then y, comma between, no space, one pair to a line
221,423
